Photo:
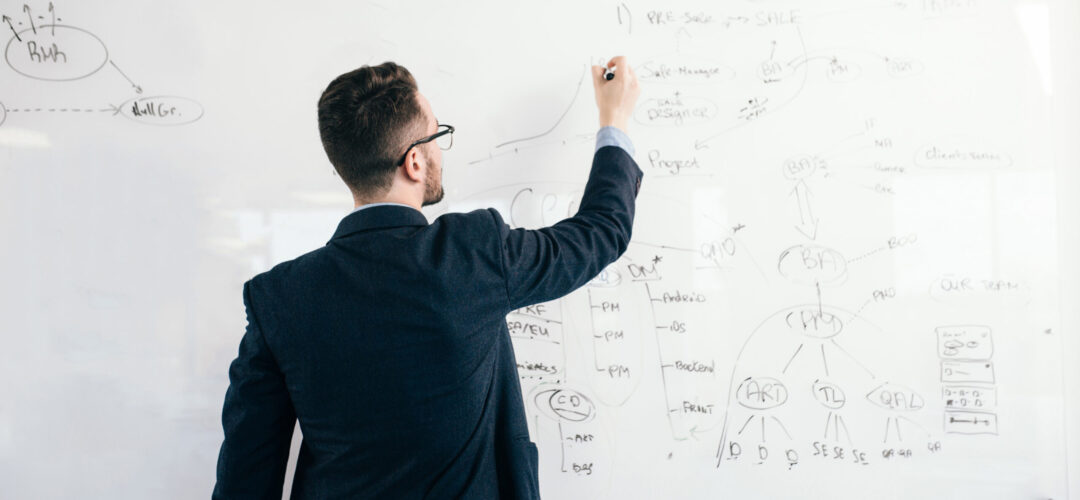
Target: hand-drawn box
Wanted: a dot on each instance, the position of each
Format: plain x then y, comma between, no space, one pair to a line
981,372
968,397
970,422
965,342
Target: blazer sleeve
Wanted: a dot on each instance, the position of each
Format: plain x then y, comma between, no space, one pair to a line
544,264
258,419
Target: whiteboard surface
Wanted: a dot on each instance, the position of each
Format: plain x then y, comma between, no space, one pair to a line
850,275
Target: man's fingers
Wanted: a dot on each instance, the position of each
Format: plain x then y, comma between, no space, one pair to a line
597,74
620,65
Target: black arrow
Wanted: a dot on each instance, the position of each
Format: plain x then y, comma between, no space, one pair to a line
8,21
819,308
30,15
138,89
678,44
808,224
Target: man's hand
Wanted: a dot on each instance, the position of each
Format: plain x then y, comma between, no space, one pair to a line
615,98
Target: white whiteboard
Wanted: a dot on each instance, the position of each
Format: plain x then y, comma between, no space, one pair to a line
850,275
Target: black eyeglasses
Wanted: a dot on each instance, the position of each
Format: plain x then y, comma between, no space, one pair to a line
444,138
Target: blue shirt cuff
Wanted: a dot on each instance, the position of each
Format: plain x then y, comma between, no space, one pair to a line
612,136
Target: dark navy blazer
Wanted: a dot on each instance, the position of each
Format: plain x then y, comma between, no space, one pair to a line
390,346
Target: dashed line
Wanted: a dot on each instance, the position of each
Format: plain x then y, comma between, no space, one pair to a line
865,255
56,110
860,310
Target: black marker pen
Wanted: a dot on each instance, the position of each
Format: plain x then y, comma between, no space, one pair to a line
609,73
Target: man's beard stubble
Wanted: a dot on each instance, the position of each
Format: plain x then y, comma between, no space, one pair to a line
433,190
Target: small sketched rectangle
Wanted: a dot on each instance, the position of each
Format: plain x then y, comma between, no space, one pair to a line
970,422
968,397
981,372
965,342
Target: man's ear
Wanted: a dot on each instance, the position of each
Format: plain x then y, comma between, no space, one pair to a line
414,165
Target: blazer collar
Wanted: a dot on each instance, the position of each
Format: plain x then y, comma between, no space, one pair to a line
379,217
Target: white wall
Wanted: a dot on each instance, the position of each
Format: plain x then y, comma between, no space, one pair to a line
899,147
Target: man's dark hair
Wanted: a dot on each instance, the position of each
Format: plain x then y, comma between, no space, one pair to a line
366,119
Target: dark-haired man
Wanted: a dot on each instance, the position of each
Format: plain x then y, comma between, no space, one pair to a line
389,344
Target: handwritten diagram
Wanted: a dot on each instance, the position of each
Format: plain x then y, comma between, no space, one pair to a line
836,364
44,47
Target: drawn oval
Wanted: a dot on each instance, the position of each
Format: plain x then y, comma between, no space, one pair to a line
675,111
3,114
841,72
801,167
677,69
902,67
608,278
761,393
961,153
56,53
162,110
812,264
896,397
829,395
565,404
814,321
